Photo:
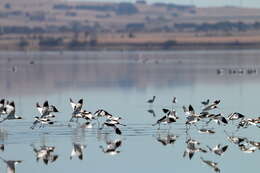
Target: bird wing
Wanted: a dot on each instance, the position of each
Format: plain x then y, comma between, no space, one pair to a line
73,105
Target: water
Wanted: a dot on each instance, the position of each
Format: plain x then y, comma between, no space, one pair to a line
121,83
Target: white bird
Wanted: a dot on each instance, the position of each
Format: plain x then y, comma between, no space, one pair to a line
218,149
76,106
77,109
11,164
10,112
168,118
46,110
235,116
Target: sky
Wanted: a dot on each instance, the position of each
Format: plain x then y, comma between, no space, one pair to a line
200,3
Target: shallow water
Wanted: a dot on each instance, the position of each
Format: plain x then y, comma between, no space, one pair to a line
121,83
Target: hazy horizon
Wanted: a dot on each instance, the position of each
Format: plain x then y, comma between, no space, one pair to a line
199,3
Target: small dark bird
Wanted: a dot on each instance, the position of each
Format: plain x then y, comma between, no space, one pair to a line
151,101
205,103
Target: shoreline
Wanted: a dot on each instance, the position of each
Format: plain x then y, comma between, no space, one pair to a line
140,47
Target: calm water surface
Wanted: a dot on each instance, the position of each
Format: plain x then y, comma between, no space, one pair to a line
121,83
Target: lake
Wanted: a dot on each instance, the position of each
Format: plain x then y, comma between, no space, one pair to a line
121,83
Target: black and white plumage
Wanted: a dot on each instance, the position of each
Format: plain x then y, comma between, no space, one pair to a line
192,148
76,107
207,131
112,147
46,110
2,106
168,139
11,164
213,165
10,112
246,148
218,118
235,116
218,149
41,121
169,117
77,150
211,106
45,153
113,124
102,113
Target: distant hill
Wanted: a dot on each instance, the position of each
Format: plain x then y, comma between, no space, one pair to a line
58,23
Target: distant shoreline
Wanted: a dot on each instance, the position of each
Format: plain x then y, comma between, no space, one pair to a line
141,46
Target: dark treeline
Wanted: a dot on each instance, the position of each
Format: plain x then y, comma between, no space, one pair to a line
220,26
123,8
137,27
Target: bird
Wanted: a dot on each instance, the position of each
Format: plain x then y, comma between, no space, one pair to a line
218,149
174,100
102,113
218,118
110,123
76,106
211,106
205,103
2,106
46,110
247,149
214,165
169,117
42,121
235,116
77,150
151,101
11,164
208,131
10,112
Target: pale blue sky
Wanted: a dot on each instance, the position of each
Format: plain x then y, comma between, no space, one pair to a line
203,3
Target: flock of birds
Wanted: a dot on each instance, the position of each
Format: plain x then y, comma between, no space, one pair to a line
47,154
199,121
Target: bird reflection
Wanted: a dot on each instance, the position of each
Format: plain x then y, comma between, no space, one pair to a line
77,150
45,153
192,148
11,164
112,146
151,111
213,165
2,147
167,139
